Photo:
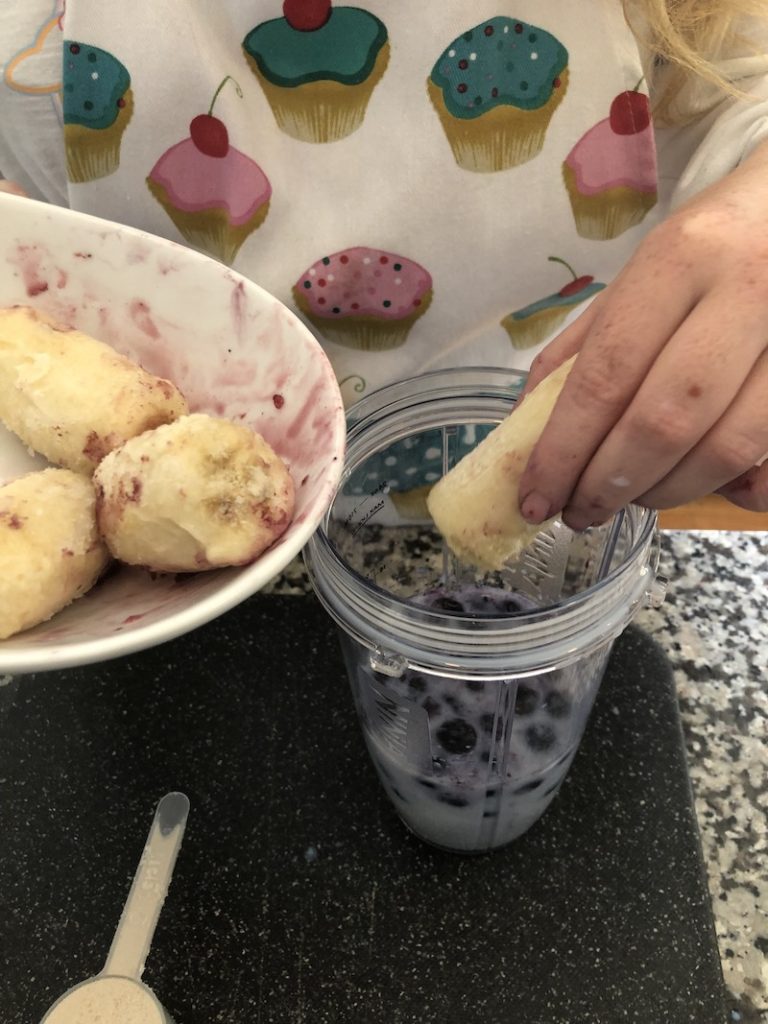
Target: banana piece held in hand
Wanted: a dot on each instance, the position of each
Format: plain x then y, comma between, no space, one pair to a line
50,549
476,505
73,398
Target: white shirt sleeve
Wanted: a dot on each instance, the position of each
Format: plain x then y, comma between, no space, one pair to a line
701,152
31,145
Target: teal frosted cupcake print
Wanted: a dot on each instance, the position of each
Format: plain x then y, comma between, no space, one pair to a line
97,106
318,66
495,89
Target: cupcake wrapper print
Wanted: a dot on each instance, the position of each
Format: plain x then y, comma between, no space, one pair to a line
97,106
364,298
537,321
318,67
214,194
495,89
610,174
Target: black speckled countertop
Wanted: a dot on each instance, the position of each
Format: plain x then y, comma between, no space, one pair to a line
714,629
299,896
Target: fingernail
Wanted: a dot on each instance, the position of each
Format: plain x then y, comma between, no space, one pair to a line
535,508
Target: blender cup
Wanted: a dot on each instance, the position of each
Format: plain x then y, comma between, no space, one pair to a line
472,688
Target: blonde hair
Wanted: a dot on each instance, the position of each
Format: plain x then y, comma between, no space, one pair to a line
687,37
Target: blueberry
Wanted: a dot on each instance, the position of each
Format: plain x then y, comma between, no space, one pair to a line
417,684
511,606
456,736
431,706
474,684
453,801
444,603
540,737
528,787
526,700
453,703
491,793
557,704
485,757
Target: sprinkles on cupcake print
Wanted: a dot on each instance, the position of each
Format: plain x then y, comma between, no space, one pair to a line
495,88
364,298
97,106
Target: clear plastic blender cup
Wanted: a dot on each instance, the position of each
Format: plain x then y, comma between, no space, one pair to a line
473,689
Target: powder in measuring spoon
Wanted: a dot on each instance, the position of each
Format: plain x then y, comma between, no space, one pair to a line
107,1001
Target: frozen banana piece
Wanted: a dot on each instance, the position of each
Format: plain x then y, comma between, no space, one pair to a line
476,504
71,397
199,493
50,549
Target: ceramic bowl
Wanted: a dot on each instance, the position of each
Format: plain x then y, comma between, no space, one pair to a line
233,349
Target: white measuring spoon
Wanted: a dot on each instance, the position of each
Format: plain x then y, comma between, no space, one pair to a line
117,995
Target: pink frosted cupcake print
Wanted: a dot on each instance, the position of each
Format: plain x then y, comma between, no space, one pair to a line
610,173
364,298
214,194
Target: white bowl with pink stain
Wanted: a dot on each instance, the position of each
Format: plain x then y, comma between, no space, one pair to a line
233,349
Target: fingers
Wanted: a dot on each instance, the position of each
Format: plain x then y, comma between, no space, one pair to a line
695,380
734,445
623,342
12,188
666,397
750,490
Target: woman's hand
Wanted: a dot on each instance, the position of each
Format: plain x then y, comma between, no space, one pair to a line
668,399
12,187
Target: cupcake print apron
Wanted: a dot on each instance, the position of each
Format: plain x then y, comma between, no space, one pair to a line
425,185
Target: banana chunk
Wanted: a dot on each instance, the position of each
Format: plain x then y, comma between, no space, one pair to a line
50,549
476,504
71,397
199,493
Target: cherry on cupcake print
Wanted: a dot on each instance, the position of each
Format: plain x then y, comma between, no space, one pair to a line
364,298
610,174
214,194
318,66
537,321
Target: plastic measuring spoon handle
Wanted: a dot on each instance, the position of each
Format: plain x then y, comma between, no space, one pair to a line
133,937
